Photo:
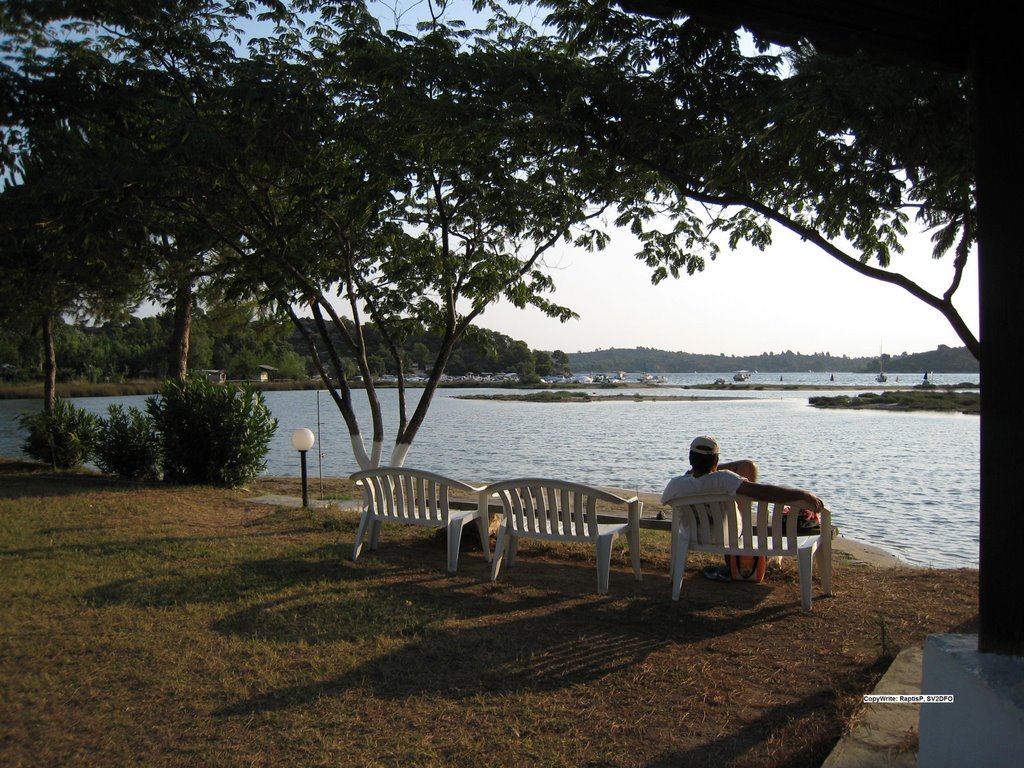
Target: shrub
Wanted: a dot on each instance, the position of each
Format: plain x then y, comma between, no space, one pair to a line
211,433
64,438
128,445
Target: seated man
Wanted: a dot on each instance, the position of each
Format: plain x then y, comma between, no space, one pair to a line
707,476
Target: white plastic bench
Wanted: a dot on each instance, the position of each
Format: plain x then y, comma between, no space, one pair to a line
416,497
736,525
560,511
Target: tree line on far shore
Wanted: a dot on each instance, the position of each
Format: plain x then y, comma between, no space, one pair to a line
236,340
942,359
231,338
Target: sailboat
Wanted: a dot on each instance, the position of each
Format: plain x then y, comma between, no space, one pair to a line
881,378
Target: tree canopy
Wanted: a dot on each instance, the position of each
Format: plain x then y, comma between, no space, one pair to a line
842,152
305,158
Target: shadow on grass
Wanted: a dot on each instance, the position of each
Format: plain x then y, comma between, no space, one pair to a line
223,583
482,639
40,482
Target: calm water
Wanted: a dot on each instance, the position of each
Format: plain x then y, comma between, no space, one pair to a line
903,481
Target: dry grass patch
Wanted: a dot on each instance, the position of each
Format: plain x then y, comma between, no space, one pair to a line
188,626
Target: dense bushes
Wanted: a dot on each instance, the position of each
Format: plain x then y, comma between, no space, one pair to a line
64,438
211,433
128,445
193,432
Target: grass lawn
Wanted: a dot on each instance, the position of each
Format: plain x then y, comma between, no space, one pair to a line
164,626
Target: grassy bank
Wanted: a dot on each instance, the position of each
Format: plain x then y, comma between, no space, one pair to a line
190,626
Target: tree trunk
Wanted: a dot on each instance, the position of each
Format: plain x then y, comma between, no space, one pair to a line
177,362
399,453
49,367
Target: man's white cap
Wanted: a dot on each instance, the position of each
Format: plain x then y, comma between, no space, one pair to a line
705,444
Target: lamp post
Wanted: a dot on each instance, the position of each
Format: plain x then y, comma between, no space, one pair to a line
302,441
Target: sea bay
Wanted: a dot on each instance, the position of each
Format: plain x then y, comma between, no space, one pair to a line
907,482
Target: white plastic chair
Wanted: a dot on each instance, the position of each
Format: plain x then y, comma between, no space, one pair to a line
560,511
416,497
736,525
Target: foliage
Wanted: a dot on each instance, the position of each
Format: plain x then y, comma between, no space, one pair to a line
64,437
413,188
825,147
70,225
128,445
211,433
232,339
943,359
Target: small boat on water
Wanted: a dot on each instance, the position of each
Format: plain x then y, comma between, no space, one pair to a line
741,376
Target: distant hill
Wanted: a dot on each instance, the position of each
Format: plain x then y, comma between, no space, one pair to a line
941,360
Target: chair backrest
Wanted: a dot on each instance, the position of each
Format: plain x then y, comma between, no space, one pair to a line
401,494
738,522
551,508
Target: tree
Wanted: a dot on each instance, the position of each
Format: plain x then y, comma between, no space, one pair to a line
560,360
60,234
826,148
387,182
138,80
106,84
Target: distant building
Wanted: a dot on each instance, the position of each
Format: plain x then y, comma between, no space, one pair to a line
266,373
216,376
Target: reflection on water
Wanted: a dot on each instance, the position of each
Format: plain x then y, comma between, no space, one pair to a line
908,482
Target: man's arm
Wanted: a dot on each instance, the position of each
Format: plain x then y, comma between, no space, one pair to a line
776,493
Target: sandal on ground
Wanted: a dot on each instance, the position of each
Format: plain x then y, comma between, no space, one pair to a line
716,573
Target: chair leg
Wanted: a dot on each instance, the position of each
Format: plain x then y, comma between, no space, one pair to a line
485,535
374,534
500,546
825,566
634,552
455,527
513,548
357,548
604,562
680,548
806,566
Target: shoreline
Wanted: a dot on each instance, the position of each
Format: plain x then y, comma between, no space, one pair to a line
78,389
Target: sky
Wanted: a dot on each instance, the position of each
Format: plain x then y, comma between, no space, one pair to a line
792,296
